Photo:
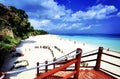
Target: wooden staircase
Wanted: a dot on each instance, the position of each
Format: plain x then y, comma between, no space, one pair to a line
95,72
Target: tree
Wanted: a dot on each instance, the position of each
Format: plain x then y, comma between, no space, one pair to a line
17,19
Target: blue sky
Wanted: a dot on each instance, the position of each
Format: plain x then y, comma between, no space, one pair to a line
71,16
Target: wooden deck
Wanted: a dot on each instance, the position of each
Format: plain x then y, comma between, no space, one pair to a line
83,74
93,74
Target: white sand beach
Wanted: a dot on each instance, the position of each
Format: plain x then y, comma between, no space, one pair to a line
46,47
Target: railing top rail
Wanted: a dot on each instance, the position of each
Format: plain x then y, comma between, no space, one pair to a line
111,55
111,50
89,55
111,63
65,55
89,52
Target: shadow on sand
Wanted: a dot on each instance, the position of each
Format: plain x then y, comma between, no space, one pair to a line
14,75
8,65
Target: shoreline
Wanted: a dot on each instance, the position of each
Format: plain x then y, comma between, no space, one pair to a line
111,43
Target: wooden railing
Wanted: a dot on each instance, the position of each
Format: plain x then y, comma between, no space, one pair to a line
112,64
49,74
99,60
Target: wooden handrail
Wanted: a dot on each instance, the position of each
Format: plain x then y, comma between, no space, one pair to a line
97,67
111,55
66,55
114,51
70,62
89,55
89,52
110,63
89,60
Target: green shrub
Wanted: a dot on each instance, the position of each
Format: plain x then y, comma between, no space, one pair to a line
7,43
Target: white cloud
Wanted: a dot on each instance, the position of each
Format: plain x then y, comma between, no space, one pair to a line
86,28
49,9
44,22
118,14
39,24
60,26
59,13
39,8
95,12
54,10
74,26
34,23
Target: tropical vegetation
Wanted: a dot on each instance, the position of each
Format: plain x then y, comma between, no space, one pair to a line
14,26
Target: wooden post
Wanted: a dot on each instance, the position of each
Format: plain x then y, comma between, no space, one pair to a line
66,61
46,67
37,69
77,64
54,63
98,62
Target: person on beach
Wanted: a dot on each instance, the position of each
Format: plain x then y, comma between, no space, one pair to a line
108,49
83,44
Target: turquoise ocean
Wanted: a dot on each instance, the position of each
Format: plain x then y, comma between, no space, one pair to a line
107,41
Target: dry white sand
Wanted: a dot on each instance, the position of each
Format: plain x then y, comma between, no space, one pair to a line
34,51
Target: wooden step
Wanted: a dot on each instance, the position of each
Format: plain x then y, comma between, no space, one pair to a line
92,74
82,73
101,74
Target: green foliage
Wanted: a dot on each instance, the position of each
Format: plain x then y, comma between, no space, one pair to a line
9,40
7,43
16,20
39,32
19,22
